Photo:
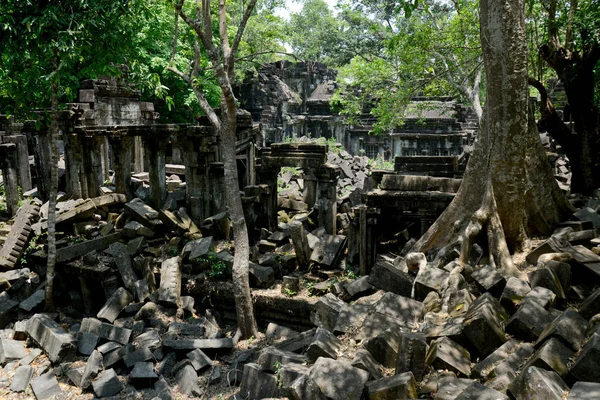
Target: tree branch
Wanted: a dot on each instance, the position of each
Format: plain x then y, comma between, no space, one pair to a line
241,28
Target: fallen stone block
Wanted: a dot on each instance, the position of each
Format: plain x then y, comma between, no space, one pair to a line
444,353
359,287
386,277
11,350
304,388
412,352
365,361
549,246
197,248
545,277
258,384
199,359
584,391
143,375
328,251
384,347
139,355
477,391
326,311
261,277
403,309
59,345
8,311
569,327
351,317
484,369
106,331
271,357
590,306
324,344
114,305
218,226
202,344
149,339
429,279
107,384
483,325
449,387
585,368
529,321
545,297
123,263
20,381
338,379
73,251
170,282
512,363
143,214
33,302
535,383
45,386
86,342
513,293
92,369
16,241
402,386
552,355
114,357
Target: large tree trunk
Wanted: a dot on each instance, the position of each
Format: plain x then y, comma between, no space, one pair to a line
50,269
241,286
497,189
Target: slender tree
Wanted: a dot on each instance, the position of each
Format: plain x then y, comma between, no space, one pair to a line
222,62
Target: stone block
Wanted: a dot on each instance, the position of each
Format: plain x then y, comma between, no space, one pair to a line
529,321
338,380
351,317
11,350
271,357
199,359
513,292
202,344
20,381
33,302
149,339
535,383
485,368
275,331
365,361
384,347
545,277
517,358
170,282
326,311
143,375
359,287
8,311
569,327
258,384
402,386
45,386
449,387
477,391
197,248
444,353
92,369
107,384
115,304
403,309
429,279
139,355
261,277
586,366
412,352
545,297
483,325
488,279
106,331
324,344
552,355
59,345
386,277
584,391
86,342
328,251
590,306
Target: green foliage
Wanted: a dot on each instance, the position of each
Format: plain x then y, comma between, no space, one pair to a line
289,292
380,163
34,245
218,269
76,239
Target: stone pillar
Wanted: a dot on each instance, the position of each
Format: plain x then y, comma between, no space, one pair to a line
154,149
326,202
268,177
106,157
43,162
195,176
122,155
8,156
23,171
300,242
309,195
94,164
138,154
361,214
216,188
74,156
252,165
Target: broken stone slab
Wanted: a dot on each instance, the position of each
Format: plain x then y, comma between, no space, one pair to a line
588,214
338,379
197,248
324,344
585,368
258,384
584,391
271,358
218,226
512,363
59,345
11,350
304,388
402,386
71,252
139,355
536,383
114,305
199,359
549,246
297,343
326,311
545,297
34,301
412,351
365,361
288,373
569,327
429,279
449,387
20,381
351,317
184,329
359,287
590,306
45,386
143,213
546,277
92,369
552,355
275,331
401,308
107,384
123,263
444,353
86,342
513,293
477,391
386,277
16,241
202,344
8,310
149,339
106,331
529,321
143,375
484,369
328,251
170,282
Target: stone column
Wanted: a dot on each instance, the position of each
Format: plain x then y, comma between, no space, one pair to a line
43,162
326,202
216,188
23,171
138,153
268,176
8,156
94,164
122,155
106,157
74,156
154,149
195,175
300,242
252,165
309,194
